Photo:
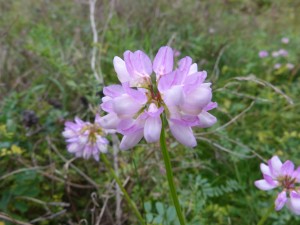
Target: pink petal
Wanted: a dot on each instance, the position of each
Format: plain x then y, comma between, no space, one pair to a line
152,129
137,95
294,202
270,180
265,169
280,200
113,90
121,69
275,166
183,134
174,96
163,61
296,174
193,69
264,185
125,106
206,119
195,101
287,168
185,64
109,121
142,63
210,106
130,140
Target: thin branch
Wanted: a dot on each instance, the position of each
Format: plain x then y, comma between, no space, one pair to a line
95,41
12,220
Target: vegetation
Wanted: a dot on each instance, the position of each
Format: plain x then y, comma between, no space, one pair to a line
46,79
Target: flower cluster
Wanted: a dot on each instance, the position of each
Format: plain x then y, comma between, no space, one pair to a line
136,105
280,57
284,176
85,139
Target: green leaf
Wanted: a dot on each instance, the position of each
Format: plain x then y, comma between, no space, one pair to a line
149,217
160,208
148,206
171,213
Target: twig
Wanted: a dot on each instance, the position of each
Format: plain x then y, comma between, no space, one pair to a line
223,148
9,219
95,41
53,147
251,77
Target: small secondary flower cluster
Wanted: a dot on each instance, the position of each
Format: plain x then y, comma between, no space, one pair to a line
135,107
85,139
284,176
277,54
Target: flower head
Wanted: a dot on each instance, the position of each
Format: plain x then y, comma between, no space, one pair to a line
285,40
282,175
135,106
263,54
290,66
85,139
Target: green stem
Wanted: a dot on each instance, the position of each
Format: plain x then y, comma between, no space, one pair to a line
265,217
168,166
131,203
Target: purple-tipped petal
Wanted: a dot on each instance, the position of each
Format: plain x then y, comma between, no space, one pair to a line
287,168
193,69
152,129
195,101
265,169
296,174
113,90
183,134
185,64
174,96
210,106
280,200
270,180
206,119
275,166
130,140
264,185
109,121
121,69
294,204
125,106
142,63
163,61
137,95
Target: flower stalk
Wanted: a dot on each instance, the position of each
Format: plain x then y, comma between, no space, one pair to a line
169,172
130,203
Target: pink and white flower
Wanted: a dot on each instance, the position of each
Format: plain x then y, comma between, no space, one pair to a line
282,175
85,139
263,54
135,107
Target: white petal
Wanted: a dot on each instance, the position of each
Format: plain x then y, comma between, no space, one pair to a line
121,70
206,119
174,96
275,166
152,129
130,140
125,106
183,134
193,69
264,185
109,121
265,169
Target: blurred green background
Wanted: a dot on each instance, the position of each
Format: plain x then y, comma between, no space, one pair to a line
46,79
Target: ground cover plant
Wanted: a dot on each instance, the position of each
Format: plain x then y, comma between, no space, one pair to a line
52,69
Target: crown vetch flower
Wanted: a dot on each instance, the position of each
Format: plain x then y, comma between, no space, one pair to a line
263,54
85,139
282,175
134,107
